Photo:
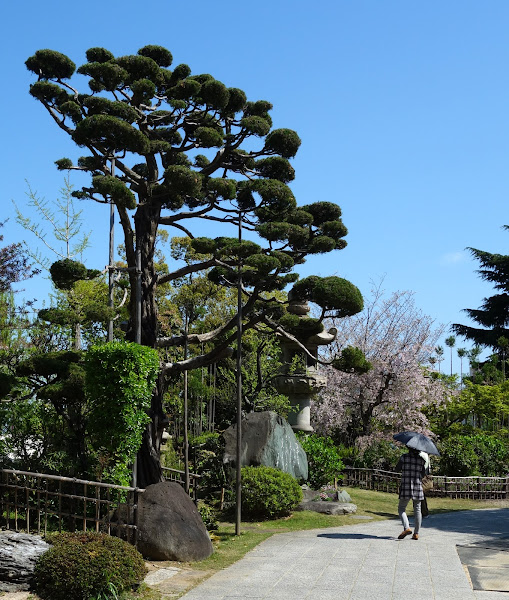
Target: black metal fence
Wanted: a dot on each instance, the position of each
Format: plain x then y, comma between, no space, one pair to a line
476,488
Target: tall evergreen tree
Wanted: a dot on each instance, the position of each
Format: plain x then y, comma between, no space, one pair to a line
493,315
178,150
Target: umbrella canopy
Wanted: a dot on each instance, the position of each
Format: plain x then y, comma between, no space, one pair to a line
418,441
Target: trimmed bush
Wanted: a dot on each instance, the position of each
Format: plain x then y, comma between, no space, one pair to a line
84,565
324,460
268,493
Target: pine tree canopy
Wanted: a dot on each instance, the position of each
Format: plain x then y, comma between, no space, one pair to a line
176,147
493,315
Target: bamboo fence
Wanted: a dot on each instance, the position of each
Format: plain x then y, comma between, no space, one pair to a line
476,488
37,502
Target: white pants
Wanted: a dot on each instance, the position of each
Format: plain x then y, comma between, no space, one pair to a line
403,503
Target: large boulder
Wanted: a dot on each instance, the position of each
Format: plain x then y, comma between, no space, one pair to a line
170,526
18,554
268,440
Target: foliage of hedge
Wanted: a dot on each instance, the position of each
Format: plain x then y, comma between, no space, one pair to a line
80,566
324,460
120,378
268,493
473,455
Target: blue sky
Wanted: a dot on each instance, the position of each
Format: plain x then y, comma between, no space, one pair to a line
402,108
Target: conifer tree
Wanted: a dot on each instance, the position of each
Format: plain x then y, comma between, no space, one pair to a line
493,314
173,149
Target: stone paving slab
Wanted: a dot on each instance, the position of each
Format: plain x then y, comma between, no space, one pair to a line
362,562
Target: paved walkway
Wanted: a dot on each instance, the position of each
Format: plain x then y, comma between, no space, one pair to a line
366,561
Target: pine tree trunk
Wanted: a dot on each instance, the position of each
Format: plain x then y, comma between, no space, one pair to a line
148,459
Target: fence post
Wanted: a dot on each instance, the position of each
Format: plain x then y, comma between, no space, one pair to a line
135,520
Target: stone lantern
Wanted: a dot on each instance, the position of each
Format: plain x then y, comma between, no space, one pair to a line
301,379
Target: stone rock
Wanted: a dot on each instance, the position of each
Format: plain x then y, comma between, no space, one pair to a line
343,505
328,508
309,494
18,554
344,497
170,526
267,439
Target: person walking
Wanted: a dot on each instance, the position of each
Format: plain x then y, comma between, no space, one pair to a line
412,467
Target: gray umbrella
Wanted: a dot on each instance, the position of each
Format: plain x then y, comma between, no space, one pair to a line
418,441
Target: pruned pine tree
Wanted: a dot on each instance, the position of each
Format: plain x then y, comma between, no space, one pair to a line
187,152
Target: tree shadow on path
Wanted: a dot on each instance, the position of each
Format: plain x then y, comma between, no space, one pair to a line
492,522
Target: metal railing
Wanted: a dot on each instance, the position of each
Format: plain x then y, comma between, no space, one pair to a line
476,488
36,502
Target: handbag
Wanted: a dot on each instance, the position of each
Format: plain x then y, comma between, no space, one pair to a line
427,483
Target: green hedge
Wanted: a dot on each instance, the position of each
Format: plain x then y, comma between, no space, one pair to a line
473,455
268,493
81,566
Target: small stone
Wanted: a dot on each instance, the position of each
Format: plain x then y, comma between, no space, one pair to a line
155,577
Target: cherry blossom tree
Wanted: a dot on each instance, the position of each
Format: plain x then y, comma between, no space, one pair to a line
398,340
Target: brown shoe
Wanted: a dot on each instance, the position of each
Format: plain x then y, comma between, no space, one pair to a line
415,536
404,533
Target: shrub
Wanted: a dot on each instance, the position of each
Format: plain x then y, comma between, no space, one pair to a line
380,454
83,565
268,493
208,515
206,452
170,458
324,460
471,455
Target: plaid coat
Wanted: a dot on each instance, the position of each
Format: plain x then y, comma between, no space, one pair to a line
412,470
